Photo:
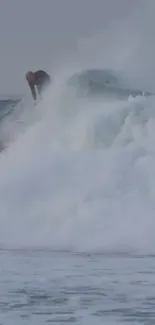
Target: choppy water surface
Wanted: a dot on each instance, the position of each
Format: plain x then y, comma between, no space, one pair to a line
41,286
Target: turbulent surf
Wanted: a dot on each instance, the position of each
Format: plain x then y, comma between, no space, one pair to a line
77,170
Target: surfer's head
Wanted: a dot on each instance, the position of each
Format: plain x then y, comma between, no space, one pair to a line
30,77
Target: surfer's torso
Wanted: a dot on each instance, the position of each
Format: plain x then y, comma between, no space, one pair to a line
41,78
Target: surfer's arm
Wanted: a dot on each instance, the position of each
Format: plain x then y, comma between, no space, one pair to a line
39,90
33,91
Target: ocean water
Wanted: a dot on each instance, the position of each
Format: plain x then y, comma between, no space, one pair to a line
41,287
77,210
77,187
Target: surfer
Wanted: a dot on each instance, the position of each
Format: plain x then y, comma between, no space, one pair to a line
40,79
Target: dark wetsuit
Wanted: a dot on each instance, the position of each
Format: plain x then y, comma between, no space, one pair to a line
42,80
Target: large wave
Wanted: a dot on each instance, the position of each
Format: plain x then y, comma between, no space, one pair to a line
80,175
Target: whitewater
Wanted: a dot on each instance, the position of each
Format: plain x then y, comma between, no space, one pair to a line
82,170
77,189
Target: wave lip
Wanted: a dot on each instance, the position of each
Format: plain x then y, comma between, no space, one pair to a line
103,82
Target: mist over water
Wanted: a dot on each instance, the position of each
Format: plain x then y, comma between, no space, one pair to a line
80,173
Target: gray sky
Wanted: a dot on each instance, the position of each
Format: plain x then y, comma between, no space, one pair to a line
36,34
